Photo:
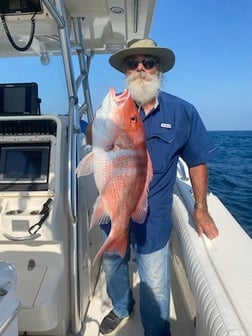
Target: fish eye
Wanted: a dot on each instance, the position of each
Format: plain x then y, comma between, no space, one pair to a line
133,118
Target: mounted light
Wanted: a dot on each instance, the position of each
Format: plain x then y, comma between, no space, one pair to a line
116,10
44,58
113,47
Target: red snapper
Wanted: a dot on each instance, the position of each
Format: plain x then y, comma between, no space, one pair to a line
122,169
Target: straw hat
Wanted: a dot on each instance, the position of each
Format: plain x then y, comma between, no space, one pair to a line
149,47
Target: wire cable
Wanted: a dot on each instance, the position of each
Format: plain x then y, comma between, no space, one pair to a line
12,42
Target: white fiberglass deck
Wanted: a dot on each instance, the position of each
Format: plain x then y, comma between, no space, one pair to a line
101,305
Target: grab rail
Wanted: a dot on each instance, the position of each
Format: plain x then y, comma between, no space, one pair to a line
84,67
7,322
22,238
72,163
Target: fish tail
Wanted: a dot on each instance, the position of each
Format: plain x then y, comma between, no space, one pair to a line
113,245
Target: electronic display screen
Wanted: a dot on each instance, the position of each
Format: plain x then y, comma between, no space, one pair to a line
20,6
19,99
24,164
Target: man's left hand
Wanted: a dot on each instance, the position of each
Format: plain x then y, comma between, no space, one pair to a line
205,223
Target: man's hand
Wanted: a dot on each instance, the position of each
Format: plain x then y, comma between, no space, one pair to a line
205,223
201,217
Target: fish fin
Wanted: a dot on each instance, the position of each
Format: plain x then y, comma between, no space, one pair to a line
140,213
113,244
99,215
85,166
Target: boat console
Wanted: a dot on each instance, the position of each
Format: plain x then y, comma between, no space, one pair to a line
37,232
34,227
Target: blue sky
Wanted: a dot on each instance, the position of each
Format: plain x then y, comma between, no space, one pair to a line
212,41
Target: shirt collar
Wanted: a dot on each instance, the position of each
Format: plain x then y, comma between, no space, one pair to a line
154,107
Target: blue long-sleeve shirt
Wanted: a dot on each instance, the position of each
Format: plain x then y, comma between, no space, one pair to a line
173,129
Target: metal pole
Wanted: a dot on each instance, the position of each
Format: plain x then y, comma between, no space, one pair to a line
55,14
83,60
72,163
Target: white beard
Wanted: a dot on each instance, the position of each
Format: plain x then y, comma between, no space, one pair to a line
143,86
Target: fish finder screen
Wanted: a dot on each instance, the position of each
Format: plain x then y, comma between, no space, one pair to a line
24,164
14,105
19,99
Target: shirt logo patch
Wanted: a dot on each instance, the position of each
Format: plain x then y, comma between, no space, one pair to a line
164,125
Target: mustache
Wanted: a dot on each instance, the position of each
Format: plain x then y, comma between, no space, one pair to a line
142,75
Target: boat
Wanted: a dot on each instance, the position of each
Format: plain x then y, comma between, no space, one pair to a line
45,210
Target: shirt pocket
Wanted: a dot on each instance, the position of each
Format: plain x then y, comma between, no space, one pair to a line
164,147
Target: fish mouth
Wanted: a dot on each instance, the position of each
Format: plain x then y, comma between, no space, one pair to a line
121,98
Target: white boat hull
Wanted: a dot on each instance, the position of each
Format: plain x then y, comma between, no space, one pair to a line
218,271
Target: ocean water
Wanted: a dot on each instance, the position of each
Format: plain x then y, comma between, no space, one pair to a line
230,174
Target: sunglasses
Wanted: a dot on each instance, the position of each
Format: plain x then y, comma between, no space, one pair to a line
148,62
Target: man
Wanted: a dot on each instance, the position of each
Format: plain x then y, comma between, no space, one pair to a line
173,128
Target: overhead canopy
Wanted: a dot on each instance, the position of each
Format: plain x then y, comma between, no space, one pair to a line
106,26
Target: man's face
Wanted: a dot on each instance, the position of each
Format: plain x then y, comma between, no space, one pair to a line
143,78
